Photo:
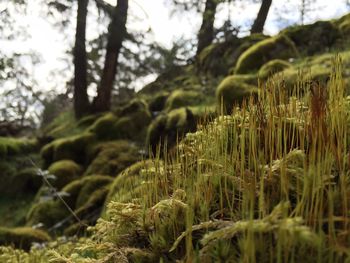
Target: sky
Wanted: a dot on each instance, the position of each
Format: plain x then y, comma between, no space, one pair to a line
50,44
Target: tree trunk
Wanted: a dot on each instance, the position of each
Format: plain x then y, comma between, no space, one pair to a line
81,100
260,20
206,32
116,35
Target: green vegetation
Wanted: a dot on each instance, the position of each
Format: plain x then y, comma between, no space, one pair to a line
279,47
258,173
22,237
65,171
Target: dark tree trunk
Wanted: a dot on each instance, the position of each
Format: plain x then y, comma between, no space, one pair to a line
116,35
81,100
206,32
260,20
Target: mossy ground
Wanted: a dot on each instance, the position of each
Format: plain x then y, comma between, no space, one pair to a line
269,183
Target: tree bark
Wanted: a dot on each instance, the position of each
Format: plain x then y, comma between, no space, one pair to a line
81,99
206,32
258,25
116,35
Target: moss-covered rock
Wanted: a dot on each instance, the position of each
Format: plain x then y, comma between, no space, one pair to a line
7,173
22,237
272,67
110,158
65,171
233,90
181,98
314,38
218,58
157,103
48,213
71,148
279,47
13,146
129,123
169,127
27,180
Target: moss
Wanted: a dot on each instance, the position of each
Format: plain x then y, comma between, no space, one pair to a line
71,148
125,185
27,180
169,127
7,173
112,157
47,213
279,47
62,126
91,185
233,90
65,172
88,120
157,103
14,146
104,128
22,237
218,58
272,67
314,38
180,98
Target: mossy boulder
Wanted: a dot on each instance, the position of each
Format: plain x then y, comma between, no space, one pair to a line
233,90
71,148
22,237
181,98
272,67
218,58
48,213
169,127
129,123
7,173
314,38
65,171
157,103
110,158
13,146
27,180
278,47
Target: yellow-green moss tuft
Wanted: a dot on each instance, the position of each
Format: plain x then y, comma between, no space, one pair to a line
233,90
22,237
314,38
279,47
65,171
13,146
157,103
169,127
110,158
71,148
181,98
104,128
272,67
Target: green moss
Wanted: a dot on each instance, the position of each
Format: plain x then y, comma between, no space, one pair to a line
272,67
65,172
279,47
92,184
218,58
62,126
14,146
112,157
169,127
47,213
27,180
157,103
180,98
125,186
314,38
233,90
22,237
104,128
71,148
88,120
